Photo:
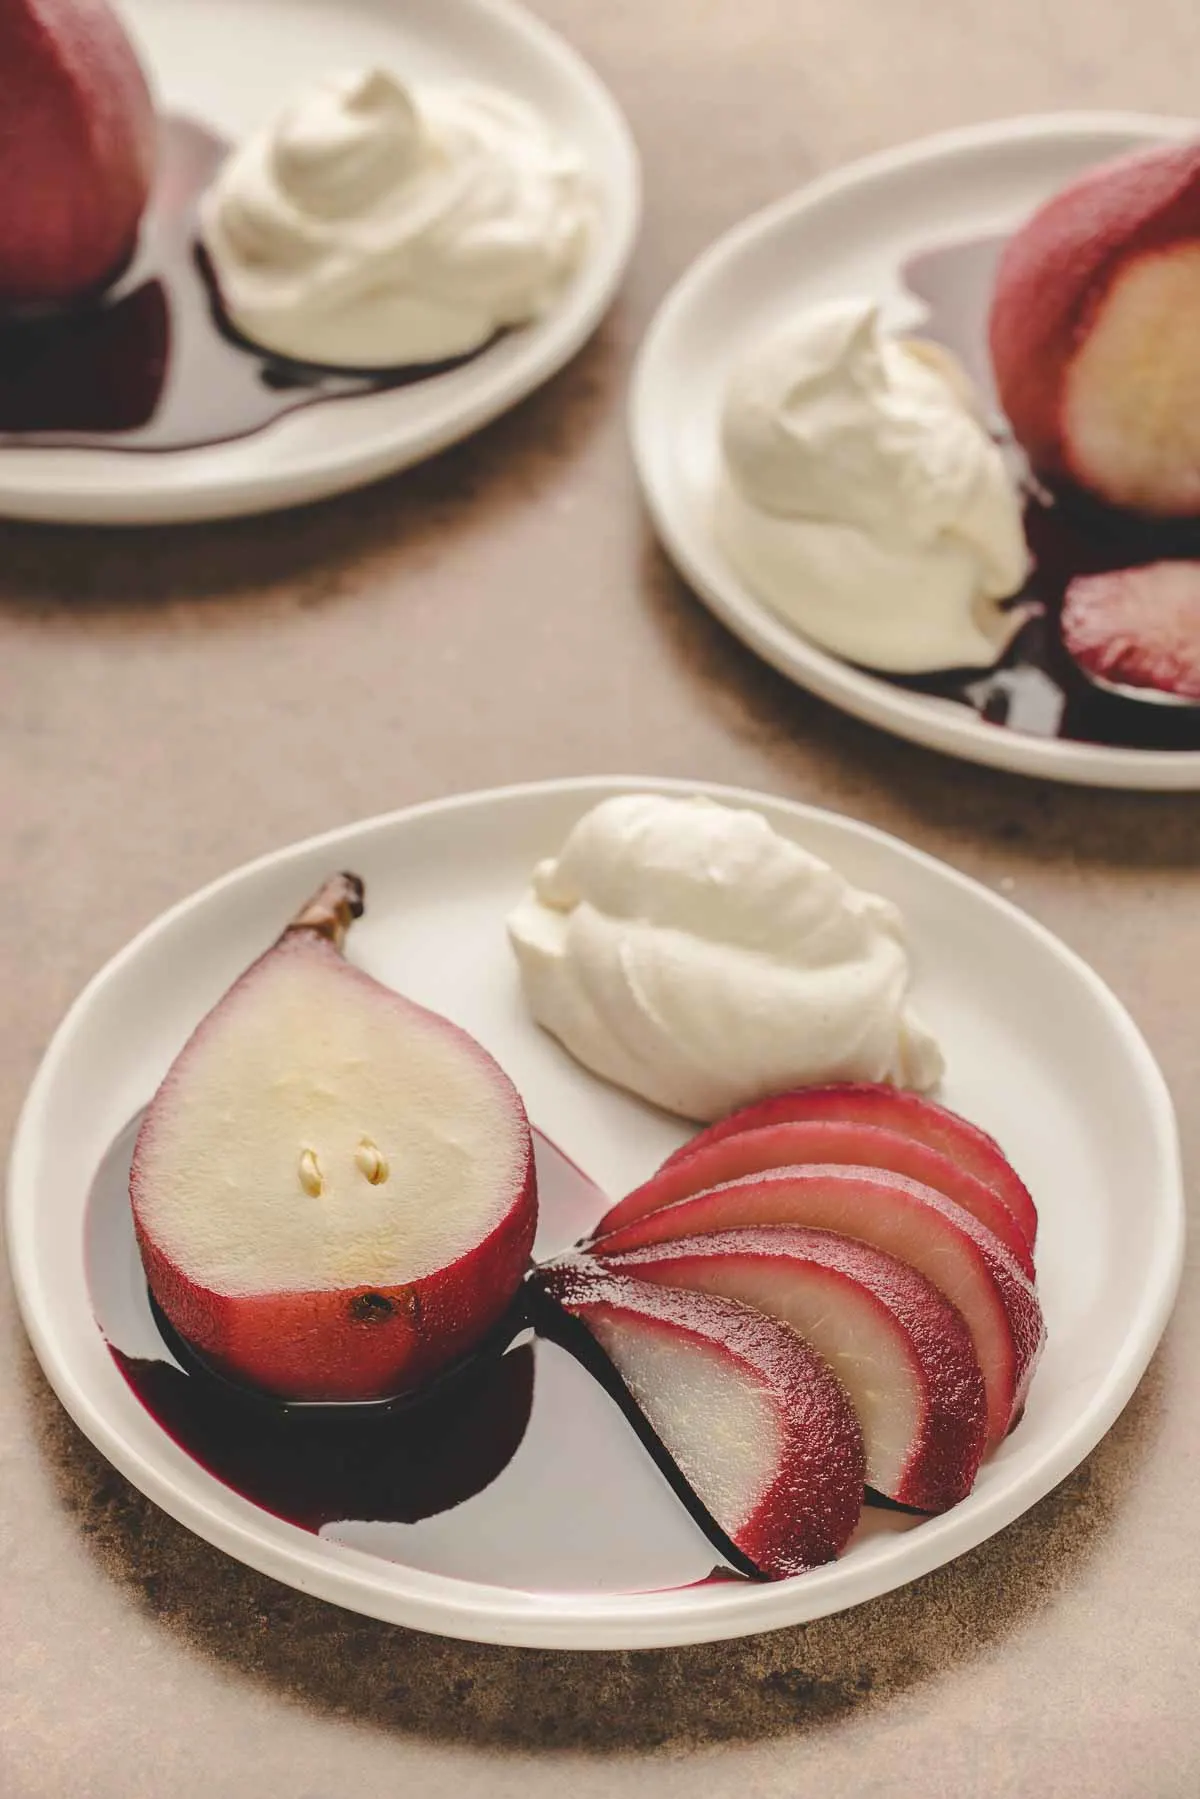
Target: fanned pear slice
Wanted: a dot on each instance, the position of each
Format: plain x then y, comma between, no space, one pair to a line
893,1109
942,1241
333,1189
789,1144
754,1421
900,1349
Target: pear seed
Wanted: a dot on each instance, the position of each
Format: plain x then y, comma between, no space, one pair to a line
310,1172
370,1161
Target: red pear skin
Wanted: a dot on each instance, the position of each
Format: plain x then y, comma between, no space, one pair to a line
810,1503
77,148
1055,288
891,1109
337,1343
821,1140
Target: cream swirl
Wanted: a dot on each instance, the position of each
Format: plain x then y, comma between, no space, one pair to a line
373,226
862,498
689,952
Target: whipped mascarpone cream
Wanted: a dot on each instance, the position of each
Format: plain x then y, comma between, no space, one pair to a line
862,498
687,951
375,226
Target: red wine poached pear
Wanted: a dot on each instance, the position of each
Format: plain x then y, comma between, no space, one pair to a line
1036,688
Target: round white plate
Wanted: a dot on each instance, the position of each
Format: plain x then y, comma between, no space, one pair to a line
851,233
231,64
1039,1052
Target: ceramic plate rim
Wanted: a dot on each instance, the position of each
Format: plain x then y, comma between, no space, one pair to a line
942,726
459,1608
185,486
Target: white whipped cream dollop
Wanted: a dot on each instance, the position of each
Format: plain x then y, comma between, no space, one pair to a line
373,226
862,498
687,951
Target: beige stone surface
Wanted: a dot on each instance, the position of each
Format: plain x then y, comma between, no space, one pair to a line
173,702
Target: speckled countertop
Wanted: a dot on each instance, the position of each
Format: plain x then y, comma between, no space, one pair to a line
172,703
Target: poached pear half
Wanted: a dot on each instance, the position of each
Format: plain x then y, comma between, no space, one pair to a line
333,1189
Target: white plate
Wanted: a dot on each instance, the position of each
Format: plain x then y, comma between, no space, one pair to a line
851,233
231,63
1039,1052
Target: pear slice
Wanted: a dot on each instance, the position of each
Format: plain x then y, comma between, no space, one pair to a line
892,1109
756,1426
964,1261
830,1141
902,1352
333,1189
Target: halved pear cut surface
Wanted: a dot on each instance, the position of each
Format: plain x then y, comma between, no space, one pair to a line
251,1172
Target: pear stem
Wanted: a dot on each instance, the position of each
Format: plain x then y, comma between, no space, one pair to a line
331,910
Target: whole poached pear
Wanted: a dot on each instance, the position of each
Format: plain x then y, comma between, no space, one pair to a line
333,1189
77,149
1095,333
